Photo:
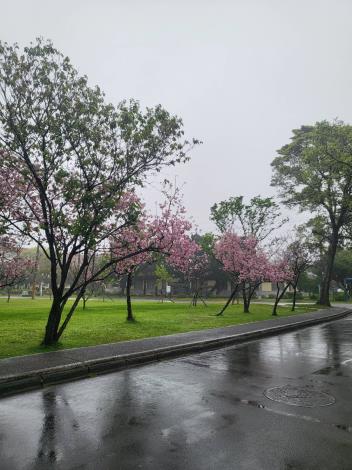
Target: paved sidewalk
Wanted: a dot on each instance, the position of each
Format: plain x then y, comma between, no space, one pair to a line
29,372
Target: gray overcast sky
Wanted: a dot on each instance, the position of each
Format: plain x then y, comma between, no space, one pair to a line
241,73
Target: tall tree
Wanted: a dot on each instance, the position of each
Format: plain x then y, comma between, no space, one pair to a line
314,173
259,218
77,159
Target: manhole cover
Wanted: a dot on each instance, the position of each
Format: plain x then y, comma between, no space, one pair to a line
299,396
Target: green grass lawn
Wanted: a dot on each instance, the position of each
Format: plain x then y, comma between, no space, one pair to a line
22,322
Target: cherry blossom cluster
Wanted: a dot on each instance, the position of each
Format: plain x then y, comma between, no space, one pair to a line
242,258
247,262
167,233
131,240
281,270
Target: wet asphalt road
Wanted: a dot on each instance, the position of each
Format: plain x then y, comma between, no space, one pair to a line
205,411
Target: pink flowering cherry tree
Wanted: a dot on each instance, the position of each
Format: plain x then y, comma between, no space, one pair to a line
173,232
193,265
167,234
245,262
300,258
282,274
131,239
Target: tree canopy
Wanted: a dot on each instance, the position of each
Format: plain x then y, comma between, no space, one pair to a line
259,218
314,173
75,160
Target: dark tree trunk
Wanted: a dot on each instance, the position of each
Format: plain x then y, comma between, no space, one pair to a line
8,295
294,298
84,302
245,299
58,303
279,297
228,302
70,313
53,331
250,294
128,297
52,326
196,294
235,297
245,306
325,284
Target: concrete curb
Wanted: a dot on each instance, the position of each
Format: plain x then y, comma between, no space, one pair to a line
78,370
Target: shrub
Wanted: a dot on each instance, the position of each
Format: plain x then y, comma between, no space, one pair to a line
339,296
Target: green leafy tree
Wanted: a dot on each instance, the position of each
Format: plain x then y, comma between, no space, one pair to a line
309,282
215,271
77,160
259,218
314,173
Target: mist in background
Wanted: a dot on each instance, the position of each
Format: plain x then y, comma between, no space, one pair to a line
241,74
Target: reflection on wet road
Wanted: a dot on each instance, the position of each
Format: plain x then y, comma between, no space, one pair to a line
205,411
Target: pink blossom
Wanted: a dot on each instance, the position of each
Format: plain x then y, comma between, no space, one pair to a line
242,258
281,271
167,234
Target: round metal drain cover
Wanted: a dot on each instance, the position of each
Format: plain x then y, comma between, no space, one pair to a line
299,396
